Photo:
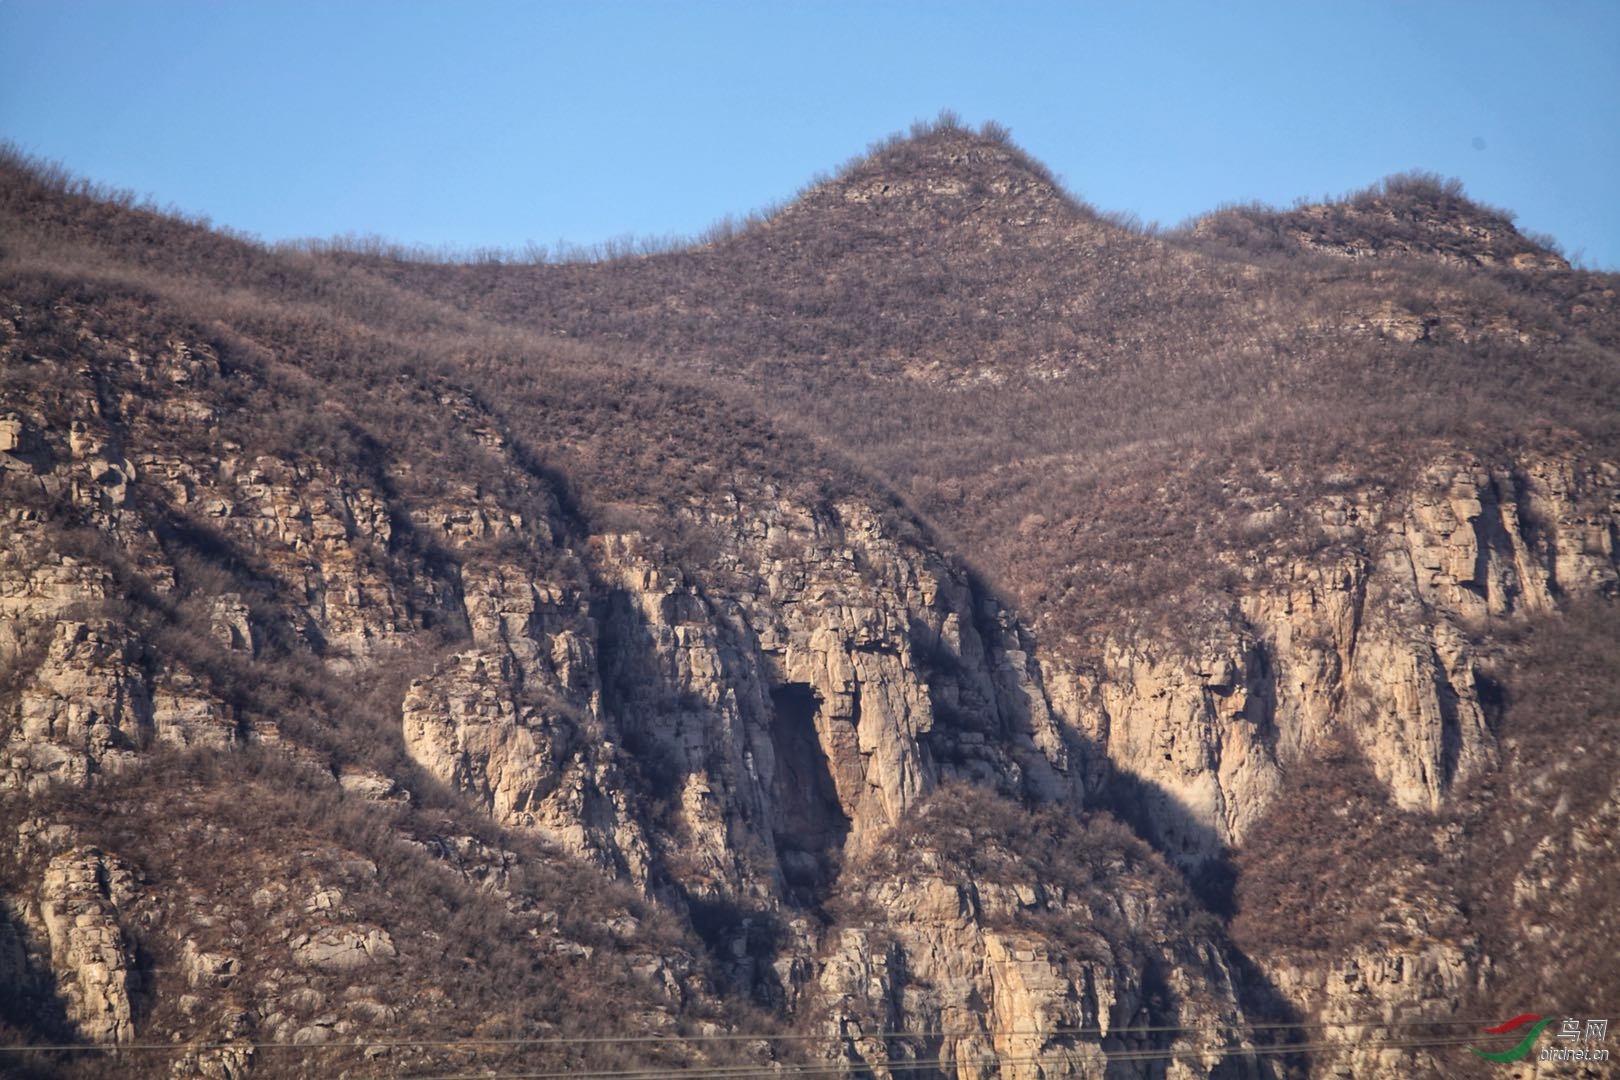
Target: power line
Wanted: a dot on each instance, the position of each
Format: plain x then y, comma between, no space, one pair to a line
733,1037
953,1061
570,1040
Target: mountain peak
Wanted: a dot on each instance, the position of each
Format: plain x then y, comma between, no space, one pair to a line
417,652
1409,214
943,171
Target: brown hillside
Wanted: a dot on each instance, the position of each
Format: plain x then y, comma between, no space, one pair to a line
1073,400
931,629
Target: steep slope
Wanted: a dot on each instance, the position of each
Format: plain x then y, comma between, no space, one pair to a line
1505,894
1105,418
1260,504
213,599
578,599
375,678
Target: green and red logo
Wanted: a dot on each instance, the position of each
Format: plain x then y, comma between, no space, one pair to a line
1525,1043
1574,1042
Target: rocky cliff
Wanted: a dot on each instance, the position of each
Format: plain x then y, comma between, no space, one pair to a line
387,688
1381,646
725,731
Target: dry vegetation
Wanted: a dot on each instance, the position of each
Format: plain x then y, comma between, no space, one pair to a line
1096,412
1414,214
1478,858
965,835
1119,426
339,376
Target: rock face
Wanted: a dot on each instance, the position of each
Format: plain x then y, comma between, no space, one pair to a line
90,954
1020,960
516,720
723,729
680,752
1374,999
837,680
1379,646
736,732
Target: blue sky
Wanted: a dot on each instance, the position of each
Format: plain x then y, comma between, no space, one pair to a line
474,124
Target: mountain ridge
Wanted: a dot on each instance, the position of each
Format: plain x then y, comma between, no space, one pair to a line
910,650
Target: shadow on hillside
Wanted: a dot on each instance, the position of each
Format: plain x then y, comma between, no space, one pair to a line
1167,825
1206,864
32,1011
656,719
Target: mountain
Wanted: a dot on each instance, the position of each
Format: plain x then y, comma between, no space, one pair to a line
933,628
1412,215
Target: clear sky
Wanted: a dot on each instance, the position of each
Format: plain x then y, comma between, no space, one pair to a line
474,124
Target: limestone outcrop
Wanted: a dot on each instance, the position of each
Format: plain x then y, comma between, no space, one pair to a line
733,726
828,681
1378,643
90,954
1027,967
751,745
